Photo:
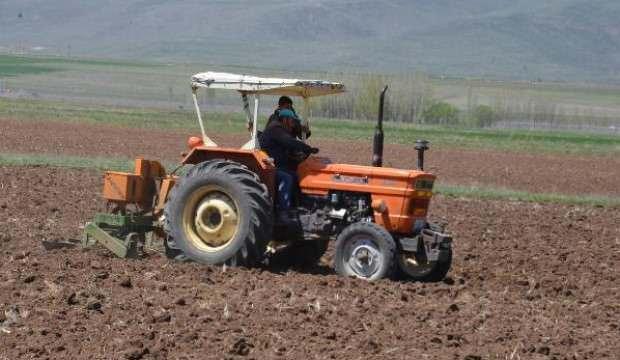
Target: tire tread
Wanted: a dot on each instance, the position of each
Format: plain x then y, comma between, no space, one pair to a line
253,251
380,234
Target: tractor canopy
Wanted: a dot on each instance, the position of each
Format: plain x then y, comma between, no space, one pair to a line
268,86
256,86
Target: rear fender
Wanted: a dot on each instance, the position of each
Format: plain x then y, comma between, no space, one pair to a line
256,160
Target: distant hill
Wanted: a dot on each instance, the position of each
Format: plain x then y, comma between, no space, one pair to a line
519,39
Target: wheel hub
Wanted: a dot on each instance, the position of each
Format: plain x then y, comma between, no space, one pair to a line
210,219
365,258
215,220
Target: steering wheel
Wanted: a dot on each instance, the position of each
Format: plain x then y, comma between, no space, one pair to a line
298,156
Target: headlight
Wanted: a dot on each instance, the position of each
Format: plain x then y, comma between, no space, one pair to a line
424,184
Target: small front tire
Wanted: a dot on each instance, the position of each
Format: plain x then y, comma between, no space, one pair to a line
418,269
366,251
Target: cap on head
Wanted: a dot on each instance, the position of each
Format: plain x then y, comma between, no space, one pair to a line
285,100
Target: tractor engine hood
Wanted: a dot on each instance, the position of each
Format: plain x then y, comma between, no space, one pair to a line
396,188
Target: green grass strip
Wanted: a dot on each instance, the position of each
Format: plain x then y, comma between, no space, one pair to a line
474,192
491,193
66,161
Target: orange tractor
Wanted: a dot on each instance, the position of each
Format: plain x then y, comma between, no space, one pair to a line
219,207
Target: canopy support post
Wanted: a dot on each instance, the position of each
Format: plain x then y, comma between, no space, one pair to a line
255,122
246,110
253,144
205,139
305,118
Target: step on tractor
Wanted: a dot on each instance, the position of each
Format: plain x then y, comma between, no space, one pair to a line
217,206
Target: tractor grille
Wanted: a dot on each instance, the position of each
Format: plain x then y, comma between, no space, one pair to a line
418,207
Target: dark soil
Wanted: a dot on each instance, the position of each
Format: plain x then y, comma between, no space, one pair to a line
578,175
529,282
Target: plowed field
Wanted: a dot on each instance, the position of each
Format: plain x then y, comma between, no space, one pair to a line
529,281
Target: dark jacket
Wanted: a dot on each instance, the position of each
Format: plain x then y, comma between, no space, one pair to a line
279,144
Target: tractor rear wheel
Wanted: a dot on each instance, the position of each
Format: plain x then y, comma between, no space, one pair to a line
220,212
365,250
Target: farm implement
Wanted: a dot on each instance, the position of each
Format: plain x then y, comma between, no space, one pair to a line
217,207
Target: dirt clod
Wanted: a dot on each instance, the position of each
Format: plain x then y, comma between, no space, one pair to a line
126,282
181,301
102,275
448,281
241,347
94,305
72,299
136,354
161,316
472,357
544,350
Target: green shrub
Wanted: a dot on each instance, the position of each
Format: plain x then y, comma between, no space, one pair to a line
441,113
482,116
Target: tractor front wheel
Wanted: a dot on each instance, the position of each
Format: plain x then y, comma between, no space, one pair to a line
365,250
220,212
417,268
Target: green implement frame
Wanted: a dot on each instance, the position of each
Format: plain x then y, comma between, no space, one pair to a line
121,234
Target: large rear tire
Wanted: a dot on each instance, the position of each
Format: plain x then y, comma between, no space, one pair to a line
220,213
365,250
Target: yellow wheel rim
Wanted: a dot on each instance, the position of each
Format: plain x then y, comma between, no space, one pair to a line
210,218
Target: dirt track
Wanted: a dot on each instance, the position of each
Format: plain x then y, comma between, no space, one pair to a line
530,172
529,282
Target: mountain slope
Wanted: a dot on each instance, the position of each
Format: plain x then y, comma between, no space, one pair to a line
528,39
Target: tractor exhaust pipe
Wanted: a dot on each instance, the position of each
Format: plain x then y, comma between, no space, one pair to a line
377,143
421,146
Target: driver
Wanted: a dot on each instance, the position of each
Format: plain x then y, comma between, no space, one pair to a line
279,141
285,102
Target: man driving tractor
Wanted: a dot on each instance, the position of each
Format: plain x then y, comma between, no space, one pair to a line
280,142
285,102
